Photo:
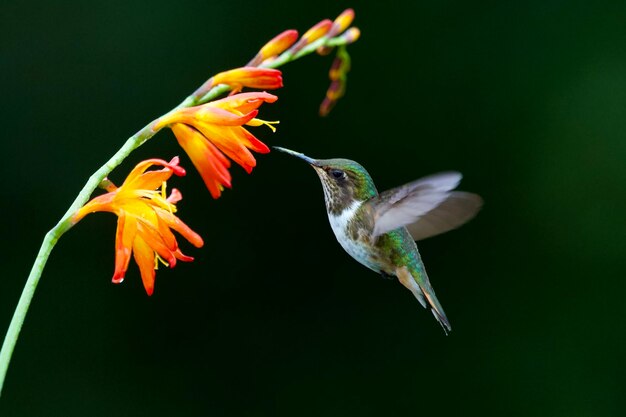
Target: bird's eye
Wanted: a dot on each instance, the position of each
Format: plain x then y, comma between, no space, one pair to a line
337,173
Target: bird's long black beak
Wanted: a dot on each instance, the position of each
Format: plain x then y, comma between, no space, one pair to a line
297,155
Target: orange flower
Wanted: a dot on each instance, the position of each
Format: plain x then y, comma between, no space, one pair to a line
212,131
252,77
145,217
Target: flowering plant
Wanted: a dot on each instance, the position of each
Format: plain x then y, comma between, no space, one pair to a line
211,125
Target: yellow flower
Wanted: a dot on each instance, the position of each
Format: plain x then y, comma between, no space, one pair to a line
145,220
213,131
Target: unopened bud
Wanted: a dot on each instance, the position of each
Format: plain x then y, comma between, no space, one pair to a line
336,90
326,106
276,46
279,44
335,71
252,77
351,35
317,31
342,22
312,35
324,50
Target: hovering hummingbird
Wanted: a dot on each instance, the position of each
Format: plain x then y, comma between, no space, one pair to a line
380,230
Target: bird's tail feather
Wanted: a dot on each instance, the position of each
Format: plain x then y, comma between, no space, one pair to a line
424,292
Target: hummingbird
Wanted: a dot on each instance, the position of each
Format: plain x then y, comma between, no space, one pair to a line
380,230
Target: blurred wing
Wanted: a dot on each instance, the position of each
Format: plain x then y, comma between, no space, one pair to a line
409,204
458,208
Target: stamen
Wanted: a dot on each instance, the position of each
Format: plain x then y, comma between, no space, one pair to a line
163,190
259,122
163,201
157,259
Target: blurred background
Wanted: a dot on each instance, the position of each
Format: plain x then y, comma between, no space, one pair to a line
527,99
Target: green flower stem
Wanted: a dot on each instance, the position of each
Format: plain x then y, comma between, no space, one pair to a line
94,181
63,226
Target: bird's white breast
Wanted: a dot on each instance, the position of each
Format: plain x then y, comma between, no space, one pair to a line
356,249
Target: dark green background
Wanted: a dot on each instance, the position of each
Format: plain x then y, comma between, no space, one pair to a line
527,99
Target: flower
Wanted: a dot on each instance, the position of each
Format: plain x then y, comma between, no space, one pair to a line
145,220
213,131
252,77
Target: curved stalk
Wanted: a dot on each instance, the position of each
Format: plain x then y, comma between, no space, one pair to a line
138,139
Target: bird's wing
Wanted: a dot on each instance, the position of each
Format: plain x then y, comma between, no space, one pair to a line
458,208
427,206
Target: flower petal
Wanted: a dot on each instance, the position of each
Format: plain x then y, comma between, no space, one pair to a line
208,114
144,256
249,140
151,236
208,160
172,167
244,102
175,196
166,234
124,237
103,202
182,256
230,141
150,180
178,225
